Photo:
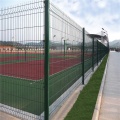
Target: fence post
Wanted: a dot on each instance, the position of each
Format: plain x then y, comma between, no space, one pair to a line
97,52
46,62
100,52
83,52
93,54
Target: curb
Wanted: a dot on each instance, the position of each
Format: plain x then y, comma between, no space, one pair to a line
99,99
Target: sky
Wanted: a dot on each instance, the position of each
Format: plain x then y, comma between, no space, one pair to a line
91,14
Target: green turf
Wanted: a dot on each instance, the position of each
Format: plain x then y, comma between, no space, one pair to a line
20,94
60,82
27,58
9,55
84,107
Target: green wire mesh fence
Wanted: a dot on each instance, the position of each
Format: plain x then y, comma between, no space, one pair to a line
87,54
22,60
72,55
95,53
65,54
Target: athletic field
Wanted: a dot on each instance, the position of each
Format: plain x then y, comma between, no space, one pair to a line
22,78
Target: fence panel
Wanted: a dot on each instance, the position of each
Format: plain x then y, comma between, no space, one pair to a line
95,52
88,49
65,54
22,60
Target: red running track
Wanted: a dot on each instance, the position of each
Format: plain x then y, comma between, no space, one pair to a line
34,70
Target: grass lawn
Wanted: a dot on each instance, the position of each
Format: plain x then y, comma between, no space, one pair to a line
84,107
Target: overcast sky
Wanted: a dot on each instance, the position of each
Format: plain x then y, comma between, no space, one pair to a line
91,14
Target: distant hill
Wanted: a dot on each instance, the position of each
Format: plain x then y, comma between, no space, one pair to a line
10,43
115,44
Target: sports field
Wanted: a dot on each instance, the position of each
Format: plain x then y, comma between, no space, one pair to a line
22,78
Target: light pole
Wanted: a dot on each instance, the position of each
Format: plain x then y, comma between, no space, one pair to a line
72,45
53,40
61,43
102,34
106,35
65,46
54,37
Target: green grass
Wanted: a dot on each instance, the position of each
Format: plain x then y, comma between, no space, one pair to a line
84,107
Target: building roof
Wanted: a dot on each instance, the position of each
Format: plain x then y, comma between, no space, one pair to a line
100,37
95,36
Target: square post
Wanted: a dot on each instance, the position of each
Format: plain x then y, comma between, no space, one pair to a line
93,54
97,52
46,62
83,52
